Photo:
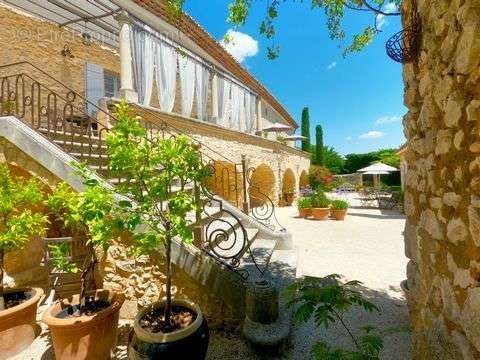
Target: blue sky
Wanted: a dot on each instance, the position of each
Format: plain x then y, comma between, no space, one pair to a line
358,100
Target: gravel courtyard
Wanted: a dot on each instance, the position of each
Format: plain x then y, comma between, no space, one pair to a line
367,246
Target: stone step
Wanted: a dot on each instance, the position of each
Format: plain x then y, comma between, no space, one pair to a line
80,136
261,250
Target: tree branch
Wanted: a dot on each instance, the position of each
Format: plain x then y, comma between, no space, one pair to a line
346,328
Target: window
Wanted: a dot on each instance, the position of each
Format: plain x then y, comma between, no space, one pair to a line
112,83
99,83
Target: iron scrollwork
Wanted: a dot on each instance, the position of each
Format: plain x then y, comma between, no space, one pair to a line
262,207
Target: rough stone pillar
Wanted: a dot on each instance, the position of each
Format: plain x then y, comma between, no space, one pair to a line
127,91
442,201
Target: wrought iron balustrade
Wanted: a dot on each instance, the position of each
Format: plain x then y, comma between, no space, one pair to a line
60,114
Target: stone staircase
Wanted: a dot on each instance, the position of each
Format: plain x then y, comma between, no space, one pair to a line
235,250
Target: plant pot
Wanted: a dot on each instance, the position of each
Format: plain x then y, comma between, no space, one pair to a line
18,324
304,213
188,343
289,198
320,213
339,214
85,337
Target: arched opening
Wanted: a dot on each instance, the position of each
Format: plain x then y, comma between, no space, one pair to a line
304,181
288,186
226,181
262,183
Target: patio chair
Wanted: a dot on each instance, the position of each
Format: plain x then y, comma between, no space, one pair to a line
367,198
64,284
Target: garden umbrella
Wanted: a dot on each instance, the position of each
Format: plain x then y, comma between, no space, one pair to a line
376,170
277,127
295,138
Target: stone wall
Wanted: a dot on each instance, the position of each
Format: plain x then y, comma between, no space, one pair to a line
141,279
26,38
229,145
442,203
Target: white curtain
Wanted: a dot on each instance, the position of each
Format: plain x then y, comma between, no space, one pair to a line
235,98
250,102
142,54
187,83
242,123
224,87
202,77
252,111
165,74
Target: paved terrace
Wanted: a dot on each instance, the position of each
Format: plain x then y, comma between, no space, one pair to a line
367,246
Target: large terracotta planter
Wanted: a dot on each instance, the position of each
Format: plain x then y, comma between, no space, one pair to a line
339,214
85,337
189,343
18,324
321,213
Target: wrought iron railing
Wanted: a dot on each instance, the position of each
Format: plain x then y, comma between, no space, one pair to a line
69,122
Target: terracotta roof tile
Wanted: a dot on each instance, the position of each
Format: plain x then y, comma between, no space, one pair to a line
194,31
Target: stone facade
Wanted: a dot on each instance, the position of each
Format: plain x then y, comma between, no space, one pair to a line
229,145
442,201
26,38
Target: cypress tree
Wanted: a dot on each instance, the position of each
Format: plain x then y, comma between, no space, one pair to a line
306,129
319,154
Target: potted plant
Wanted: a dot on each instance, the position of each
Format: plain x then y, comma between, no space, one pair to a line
84,326
170,328
288,194
320,206
304,205
20,220
339,209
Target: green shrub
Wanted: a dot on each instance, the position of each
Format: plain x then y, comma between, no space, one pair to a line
339,205
19,220
304,203
320,200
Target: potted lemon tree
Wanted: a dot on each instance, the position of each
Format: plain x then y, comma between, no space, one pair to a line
171,328
20,220
85,326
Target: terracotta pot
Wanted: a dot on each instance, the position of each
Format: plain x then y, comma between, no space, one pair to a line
303,213
320,213
339,214
85,337
188,343
18,324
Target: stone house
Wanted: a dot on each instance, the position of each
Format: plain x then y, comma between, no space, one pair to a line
64,65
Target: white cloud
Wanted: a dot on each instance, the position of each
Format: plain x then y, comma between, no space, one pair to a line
372,135
387,120
332,65
390,7
239,45
348,138
381,19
